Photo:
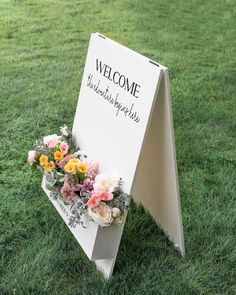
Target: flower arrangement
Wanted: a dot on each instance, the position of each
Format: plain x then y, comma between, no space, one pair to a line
74,179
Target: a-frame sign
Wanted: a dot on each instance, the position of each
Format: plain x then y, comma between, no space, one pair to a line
124,121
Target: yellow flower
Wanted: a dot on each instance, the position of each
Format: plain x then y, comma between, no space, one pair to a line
49,166
70,168
74,161
82,167
43,160
58,155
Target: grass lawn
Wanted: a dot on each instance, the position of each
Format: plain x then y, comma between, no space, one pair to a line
43,47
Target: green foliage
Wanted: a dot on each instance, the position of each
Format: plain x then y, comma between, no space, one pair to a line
43,47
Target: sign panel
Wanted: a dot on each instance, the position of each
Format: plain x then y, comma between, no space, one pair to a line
156,179
115,102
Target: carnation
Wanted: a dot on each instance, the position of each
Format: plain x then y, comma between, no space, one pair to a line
87,185
67,193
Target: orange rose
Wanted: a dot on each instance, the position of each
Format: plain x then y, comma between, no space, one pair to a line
49,166
58,155
74,161
82,167
70,168
43,160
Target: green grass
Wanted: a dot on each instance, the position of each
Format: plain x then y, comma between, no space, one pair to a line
43,46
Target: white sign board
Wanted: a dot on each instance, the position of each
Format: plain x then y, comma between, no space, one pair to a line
123,120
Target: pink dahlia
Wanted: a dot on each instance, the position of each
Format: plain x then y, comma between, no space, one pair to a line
92,168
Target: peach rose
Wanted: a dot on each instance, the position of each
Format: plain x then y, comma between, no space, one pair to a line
101,214
58,155
93,202
43,160
49,166
103,195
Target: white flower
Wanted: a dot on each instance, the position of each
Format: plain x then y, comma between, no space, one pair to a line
116,212
32,155
64,130
101,214
107,182
49,138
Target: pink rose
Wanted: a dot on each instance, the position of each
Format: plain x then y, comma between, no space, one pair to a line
65,160
32,155
48,138
52,143
64,148
97,193
106,196
103,195
93,202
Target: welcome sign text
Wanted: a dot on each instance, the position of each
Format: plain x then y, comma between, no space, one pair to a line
117,78
114,99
